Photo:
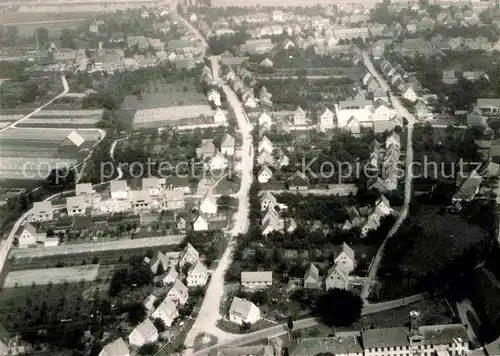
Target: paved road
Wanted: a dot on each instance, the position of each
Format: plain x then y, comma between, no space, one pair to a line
469,317
38,252
403,112
307,323
66,89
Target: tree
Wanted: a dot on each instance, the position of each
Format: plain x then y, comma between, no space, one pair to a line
136,313
149,348
43,36
245,327
289,323
159,324
339,307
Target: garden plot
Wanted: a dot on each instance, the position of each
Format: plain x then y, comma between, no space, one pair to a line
169,115
64,118
47,276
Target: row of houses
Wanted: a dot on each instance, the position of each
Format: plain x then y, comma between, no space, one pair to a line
442,340
368,218
385,161
168,309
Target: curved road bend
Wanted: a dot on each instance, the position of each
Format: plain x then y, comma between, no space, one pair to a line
27,116
403,112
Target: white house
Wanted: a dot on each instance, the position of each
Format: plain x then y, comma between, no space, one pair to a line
144,333
227,145
119,189
250,103
243,311
409,93
42,211
115,348
336,278
256,280
189,256
218,162
171,276
86,190
299,117
141,200
208,204
345,258
200,223
381,111
166,311
326,119
178,293
220,117
265,119
28,236
75,205
265,174
265,145
197,275
214,95
267,200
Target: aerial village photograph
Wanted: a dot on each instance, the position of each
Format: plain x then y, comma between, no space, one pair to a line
250,178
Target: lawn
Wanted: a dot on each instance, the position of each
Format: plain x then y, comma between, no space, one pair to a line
233,328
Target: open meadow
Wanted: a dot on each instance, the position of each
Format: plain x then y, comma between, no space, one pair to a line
227,3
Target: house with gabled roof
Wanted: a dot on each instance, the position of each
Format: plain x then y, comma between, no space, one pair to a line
267,200
218,161
197,275
119,189
115,348
206,149
170,276
149,303
243,311
144,333
158,259
208,204
326,120
272,222
265,119
256,280
266,63
345,258
166,311
189,256
28,236
265,174
337,278
178,293
200,223
220,117
468,188
76,205
299,117
298,181
227,145
265,145
42,211
312,279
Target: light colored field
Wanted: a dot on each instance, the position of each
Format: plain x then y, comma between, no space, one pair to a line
10,118
4,123
31,168
46,276
69,113
75,121
56,135
96,247
148,117
225,3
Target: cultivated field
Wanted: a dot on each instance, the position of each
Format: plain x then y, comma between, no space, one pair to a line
64,119
47,276
27,29
30,153
96,247
158,94
24,17
168,115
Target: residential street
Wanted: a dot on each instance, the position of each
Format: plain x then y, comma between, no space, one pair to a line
65,91
209,313
403,112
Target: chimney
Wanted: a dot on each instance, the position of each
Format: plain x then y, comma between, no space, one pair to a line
414,320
